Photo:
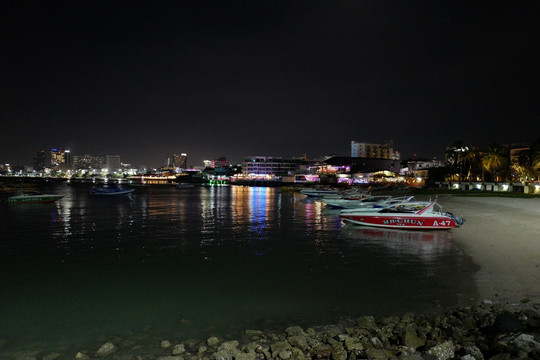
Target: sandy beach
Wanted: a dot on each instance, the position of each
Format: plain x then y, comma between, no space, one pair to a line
502,235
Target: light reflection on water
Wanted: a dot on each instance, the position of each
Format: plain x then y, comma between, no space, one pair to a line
205,261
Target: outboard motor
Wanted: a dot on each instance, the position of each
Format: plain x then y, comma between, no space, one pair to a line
458,220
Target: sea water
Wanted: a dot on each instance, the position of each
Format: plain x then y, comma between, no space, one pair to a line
180,264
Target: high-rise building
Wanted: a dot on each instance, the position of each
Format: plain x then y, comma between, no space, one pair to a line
61,158
113,163
178,161
39,160
379,151
87,161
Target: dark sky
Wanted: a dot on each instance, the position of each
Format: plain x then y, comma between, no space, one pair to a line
235,78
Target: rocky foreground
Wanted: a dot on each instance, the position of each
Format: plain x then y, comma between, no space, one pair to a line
486,331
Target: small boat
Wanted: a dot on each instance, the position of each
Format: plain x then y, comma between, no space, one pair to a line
319,192
184,186
31,196
412,215
110,191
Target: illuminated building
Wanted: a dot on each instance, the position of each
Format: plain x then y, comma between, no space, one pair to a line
61,158
269,165
379,151
87,161
178,161
220,162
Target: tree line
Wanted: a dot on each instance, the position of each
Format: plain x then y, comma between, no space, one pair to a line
467,162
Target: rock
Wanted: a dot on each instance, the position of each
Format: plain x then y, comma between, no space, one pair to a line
51,356
227,350
475,352
81,356
506,322
280,346
442,351
212,342
298,341
412,341
295,331
368,323
165,344
415,356
245,356
231,346
31,356
353,344
170,358
339,354
377,343
106,349
284,354
178,349
378,354
502,356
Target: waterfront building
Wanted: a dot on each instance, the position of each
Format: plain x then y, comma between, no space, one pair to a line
61,159
178,161
221,162
113,163
419,168
39,161
87,161
370,150
271,165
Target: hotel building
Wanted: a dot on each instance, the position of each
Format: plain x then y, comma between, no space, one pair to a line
61,158
369,150
271,165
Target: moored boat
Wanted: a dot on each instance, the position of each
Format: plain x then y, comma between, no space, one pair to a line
413,215
319,192
30,196
111,191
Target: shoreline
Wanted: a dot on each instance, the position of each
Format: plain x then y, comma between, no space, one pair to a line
502,236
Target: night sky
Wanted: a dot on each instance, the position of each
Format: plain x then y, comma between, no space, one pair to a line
275,78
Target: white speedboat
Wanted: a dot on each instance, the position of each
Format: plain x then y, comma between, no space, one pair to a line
369,202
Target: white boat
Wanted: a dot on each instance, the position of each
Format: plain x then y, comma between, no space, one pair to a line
369,202
347,202
31,196
409,215
319,192
111,191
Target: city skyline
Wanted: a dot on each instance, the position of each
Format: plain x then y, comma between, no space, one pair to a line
281,78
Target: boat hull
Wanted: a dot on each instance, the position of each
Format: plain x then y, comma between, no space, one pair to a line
110,191
21,199
409,221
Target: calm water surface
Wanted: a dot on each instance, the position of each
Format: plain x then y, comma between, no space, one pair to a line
180,264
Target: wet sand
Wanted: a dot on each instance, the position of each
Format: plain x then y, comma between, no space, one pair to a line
502,235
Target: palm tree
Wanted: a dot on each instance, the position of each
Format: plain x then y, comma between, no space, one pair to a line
456,155
493,160
471,156
535,158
